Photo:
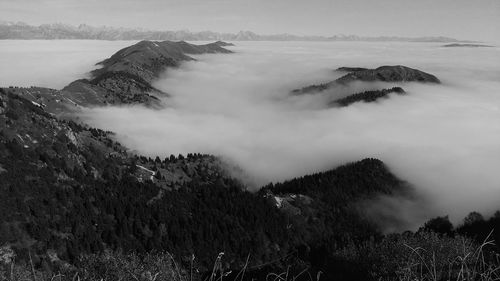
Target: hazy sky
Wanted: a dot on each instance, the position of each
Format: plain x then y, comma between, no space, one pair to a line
463,19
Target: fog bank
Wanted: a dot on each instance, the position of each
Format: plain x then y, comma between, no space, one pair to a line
442,139
51,63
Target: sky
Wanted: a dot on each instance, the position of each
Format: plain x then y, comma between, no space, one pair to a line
461,19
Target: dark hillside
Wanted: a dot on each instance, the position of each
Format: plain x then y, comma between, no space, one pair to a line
322,208
71,190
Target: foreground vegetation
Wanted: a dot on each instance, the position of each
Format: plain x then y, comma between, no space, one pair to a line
418,256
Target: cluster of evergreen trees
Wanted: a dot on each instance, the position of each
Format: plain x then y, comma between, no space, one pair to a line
86,215
367,96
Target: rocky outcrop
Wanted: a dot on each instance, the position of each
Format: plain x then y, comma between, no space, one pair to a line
367,96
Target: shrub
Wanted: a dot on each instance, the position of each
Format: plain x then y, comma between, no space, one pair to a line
425,256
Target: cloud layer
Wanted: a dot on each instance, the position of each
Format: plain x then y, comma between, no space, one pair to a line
443,139
51,63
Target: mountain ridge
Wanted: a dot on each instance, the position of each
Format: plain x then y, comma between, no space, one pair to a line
20,30
124,78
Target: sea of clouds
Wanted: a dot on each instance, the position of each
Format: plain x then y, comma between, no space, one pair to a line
443,139
51,63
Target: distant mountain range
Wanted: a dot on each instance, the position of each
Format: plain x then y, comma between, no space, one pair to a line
20,30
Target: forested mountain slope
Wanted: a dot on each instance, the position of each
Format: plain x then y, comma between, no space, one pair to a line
69,190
